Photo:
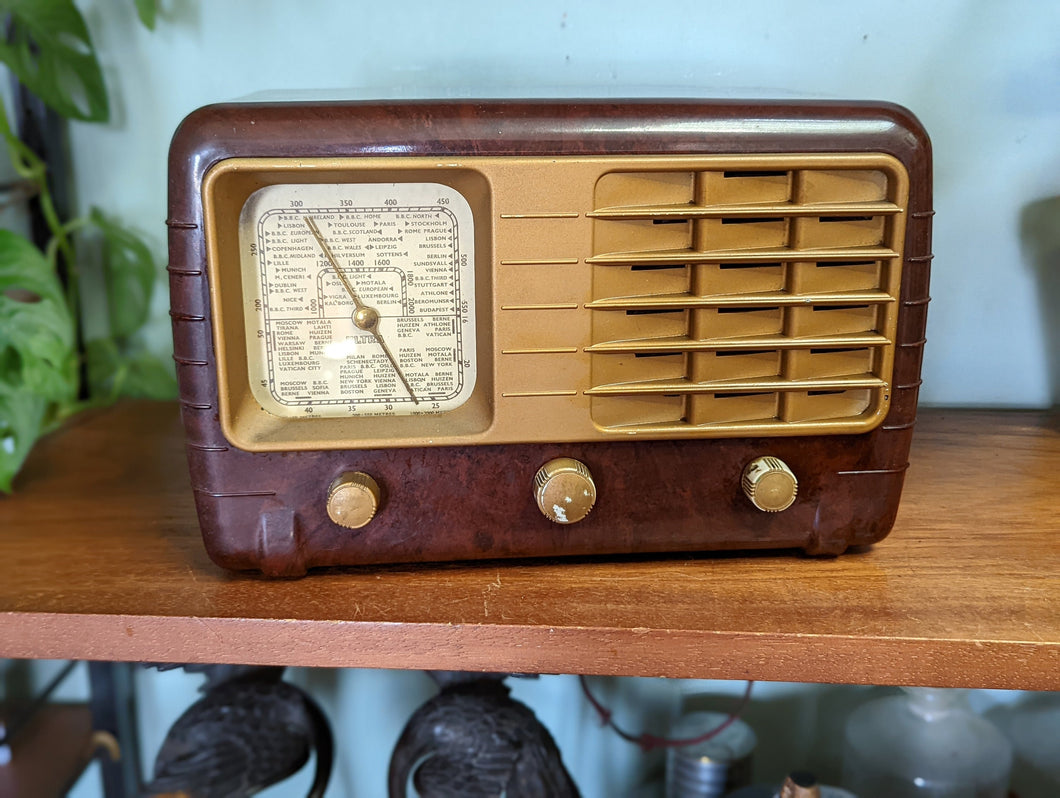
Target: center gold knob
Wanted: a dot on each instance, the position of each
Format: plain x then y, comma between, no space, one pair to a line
353,499
770,484
564,490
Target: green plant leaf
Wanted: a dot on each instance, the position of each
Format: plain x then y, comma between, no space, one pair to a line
21,416
26,163
49,49
147,10
113,373
129,272
36,329
149,378
103,362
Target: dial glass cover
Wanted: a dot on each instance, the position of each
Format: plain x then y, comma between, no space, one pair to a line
359,298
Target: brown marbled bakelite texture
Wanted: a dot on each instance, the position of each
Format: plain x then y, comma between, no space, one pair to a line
266,510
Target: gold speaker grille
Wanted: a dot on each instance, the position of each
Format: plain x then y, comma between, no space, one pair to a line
760,299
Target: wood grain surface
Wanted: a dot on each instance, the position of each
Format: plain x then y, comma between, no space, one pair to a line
101,558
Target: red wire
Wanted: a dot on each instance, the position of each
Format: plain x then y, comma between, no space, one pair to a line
649,742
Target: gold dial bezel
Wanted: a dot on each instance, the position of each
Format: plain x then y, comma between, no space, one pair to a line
226,189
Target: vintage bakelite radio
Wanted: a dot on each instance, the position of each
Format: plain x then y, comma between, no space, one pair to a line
428,331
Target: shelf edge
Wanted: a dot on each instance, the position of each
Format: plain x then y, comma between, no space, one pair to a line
835,659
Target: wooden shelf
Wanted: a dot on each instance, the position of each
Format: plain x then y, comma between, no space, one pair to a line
102,559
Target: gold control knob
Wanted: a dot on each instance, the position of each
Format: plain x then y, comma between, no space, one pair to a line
769,484
564,490
353,499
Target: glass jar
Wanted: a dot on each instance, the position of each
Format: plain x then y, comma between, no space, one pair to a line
924,743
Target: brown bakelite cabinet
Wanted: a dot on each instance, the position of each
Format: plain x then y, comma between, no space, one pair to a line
456,331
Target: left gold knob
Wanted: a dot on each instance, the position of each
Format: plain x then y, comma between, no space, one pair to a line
353,499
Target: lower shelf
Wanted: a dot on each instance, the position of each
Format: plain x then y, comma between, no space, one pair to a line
49,754
102,559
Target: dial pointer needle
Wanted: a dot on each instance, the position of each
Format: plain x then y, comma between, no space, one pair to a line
364,317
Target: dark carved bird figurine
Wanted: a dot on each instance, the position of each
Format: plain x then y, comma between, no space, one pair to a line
249,731
473,740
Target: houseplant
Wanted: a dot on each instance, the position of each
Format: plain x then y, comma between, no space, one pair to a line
49,368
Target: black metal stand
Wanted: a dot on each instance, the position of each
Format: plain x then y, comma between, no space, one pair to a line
114,712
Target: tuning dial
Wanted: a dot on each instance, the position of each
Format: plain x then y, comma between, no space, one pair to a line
769,484
353,499
564,490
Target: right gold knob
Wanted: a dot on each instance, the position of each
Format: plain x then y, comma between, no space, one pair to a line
564,490
769,484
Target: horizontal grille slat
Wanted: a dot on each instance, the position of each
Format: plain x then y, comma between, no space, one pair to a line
690,211
721,429
686,256
686,386
686,344
683,301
